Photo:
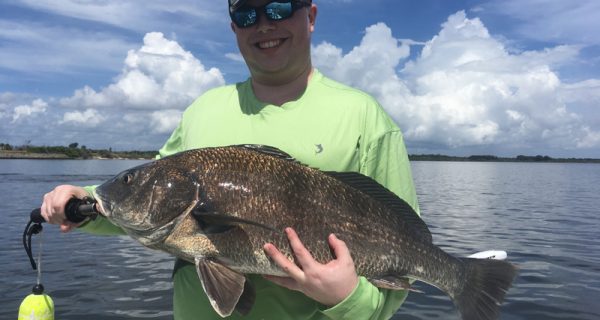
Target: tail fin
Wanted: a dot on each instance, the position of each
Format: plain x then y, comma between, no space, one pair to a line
486,283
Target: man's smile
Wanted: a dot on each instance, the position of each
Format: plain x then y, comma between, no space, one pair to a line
268,44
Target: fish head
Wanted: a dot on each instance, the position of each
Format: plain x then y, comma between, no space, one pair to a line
148,196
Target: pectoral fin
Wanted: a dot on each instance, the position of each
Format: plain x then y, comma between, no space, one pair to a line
227,290
214,222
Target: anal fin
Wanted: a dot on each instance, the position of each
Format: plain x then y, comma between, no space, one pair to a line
227,290
393,282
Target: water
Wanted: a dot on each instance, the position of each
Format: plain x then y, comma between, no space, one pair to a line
544,215
89,277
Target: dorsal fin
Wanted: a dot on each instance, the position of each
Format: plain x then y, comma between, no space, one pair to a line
268,150
378,192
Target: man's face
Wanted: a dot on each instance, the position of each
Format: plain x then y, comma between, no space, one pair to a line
277,51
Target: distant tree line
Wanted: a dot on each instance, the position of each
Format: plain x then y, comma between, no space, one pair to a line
492,158
74,151
5,146
537,158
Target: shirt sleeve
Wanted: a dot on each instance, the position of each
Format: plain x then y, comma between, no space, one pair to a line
100,225
367,302
386,161
174,144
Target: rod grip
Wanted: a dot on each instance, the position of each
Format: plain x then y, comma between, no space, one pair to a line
76,210
36,216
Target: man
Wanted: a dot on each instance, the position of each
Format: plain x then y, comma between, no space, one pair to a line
288,104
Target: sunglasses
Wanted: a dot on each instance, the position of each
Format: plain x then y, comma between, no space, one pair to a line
247,16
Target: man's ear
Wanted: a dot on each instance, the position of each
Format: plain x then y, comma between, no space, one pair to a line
232,26
312,17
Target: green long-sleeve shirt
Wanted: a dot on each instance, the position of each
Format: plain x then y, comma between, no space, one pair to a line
330,127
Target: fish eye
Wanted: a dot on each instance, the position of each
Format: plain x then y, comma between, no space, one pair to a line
128,178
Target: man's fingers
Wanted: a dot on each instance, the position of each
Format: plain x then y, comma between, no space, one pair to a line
48,209
66,227
52,208
340,249
44,210
283,262
305,259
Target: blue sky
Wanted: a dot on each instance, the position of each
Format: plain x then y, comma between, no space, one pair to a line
459,77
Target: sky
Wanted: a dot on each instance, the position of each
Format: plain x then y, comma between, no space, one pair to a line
460,77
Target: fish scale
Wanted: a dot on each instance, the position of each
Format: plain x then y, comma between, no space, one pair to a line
308,217
217,207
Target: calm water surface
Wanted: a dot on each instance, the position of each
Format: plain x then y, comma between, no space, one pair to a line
544,215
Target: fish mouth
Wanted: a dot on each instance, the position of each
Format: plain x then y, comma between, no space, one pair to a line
103,207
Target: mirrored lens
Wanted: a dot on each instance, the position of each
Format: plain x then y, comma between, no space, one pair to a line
244,17
278,10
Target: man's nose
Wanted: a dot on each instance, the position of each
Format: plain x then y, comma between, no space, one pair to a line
264,24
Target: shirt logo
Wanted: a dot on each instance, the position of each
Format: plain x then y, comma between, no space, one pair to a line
319,148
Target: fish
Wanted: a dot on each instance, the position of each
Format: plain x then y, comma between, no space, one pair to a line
217,207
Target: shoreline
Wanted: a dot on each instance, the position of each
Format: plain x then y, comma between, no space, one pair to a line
23,155
490,158
28,155
133,155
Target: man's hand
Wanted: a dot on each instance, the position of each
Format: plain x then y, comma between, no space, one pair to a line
53,207
328,283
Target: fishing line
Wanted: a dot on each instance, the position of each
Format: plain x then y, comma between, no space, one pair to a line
39,260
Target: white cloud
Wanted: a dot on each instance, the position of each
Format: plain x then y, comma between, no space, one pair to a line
378,50
583,93
24,111
130,14
77,40
46,48
563,21
467,89
89,118
160,122
159,75
590,140
237,57
165,121
5,99
157,82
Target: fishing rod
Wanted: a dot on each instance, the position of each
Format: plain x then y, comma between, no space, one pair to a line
39,305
